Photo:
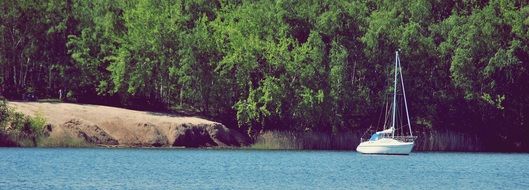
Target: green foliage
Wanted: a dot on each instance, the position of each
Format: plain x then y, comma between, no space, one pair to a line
37,123
4,114
20,122
278,65
19,129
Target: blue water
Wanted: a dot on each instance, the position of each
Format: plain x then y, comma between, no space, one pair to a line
102,168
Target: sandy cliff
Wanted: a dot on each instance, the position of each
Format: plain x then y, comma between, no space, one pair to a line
104,125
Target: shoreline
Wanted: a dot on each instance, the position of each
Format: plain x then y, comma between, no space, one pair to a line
259,149
68,124
85,125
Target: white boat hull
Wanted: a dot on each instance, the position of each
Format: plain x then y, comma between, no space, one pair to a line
385,146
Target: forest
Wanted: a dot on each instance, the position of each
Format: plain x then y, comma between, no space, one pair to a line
284,65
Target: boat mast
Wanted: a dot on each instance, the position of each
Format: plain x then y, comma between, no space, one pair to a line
394,96
405,102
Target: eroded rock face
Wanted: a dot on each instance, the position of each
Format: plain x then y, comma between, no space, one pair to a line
89,132
205,135
147,134
224,136
191,136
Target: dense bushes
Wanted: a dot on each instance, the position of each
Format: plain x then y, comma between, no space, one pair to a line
17,129
4,113
316,66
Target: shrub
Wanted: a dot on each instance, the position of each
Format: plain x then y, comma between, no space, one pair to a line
4,113
25,130
37,123
5,139
22,130
18,121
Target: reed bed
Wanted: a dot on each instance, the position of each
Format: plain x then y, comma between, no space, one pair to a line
427,141
307,140
448,141
63,140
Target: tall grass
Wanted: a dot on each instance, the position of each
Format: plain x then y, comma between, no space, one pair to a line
63,140
426,141
307,140
448,141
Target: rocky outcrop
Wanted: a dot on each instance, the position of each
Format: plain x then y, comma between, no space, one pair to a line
187,135
224,136
104,125
144,134
150,135
91,133
212,134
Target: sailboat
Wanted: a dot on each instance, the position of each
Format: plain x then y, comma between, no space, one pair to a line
393,139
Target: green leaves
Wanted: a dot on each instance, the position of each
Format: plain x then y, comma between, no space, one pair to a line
299,65
261,103
483,60
495,101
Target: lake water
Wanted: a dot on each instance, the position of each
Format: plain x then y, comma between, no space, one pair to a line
103,168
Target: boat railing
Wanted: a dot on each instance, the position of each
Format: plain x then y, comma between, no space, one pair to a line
405,138
400,138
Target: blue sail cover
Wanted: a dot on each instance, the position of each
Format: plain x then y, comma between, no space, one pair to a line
374,137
